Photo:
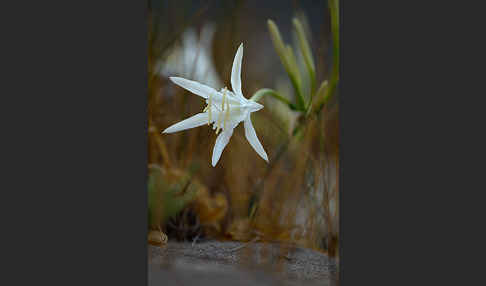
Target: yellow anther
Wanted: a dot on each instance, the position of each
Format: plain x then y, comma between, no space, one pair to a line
209,108
218,124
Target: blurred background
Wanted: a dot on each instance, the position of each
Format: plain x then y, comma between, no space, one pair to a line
292,199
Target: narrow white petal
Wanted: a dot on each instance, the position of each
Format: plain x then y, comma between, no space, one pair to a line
253,139
191,122
221,142
194,86
236,71
254,106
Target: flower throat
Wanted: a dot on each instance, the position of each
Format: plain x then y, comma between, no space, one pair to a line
222,113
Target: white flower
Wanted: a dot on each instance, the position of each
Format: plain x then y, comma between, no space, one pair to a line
225,109
192,59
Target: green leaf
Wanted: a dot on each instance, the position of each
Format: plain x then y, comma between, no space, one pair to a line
322,95
306,51
334,13
278,43
288,60
166,200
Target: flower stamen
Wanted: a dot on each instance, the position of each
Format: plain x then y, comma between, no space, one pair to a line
218,124
224,97
209,108
226,117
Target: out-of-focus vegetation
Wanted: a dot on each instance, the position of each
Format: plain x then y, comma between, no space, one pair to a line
290,66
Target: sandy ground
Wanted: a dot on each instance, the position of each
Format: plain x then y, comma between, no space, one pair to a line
234,263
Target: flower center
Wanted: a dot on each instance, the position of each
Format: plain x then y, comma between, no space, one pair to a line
224,113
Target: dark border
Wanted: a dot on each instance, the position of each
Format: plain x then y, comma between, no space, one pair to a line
410,213
76,164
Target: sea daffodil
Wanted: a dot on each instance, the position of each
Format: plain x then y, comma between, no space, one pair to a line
225,110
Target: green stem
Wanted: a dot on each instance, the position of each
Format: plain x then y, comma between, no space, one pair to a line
267,91
334,7
300,98
334,78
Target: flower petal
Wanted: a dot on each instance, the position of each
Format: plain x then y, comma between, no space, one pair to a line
254,106
194,86
253,139
236,72
221,142
191,122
